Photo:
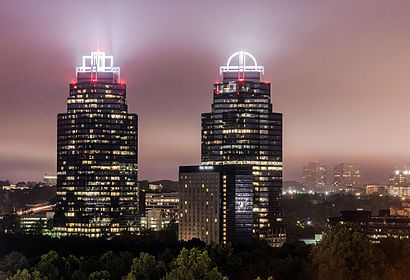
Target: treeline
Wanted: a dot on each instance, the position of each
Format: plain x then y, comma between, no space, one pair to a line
152,255
344,253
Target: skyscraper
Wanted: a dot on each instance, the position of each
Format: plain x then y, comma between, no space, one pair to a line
96,154
242,129
314,176
346,176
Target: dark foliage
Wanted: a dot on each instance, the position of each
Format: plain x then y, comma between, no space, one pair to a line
344,253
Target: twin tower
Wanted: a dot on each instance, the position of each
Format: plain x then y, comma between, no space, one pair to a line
233,196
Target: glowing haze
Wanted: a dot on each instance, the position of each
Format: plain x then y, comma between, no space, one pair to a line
340,74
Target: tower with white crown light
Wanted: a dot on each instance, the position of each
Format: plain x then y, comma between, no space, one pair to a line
243,129
97,164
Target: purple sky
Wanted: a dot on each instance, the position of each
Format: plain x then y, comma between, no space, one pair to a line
340,73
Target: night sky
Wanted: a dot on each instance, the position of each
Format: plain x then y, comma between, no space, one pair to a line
340,74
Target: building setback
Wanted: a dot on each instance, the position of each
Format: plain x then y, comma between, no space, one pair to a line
242,129
215,203
96,154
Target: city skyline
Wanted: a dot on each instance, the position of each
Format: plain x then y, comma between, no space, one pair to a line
338,97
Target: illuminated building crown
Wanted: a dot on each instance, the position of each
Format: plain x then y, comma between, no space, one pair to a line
242,57
98,62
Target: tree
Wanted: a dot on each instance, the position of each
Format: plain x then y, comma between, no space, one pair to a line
345,253
116,264
225,259
13,262
71,264
78,275
194,264
291,268
25,275
396,262
146,268
99,275
49,266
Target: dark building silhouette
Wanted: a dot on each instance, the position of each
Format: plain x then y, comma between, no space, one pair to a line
97,164
242,129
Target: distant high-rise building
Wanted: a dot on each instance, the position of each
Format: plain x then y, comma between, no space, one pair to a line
242,129
215,203
399,183
314,176
346,176
96,154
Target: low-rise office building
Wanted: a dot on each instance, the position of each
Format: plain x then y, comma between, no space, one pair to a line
376,227
160,209
36,223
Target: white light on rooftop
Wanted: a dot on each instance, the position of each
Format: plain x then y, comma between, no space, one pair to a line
242,57
98,62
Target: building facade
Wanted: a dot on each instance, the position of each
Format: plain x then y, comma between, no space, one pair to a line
242,129
50,180
199,205
399,183
36,223
314,176
216,203
346,176
376,189
160,209
96,154
376,227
